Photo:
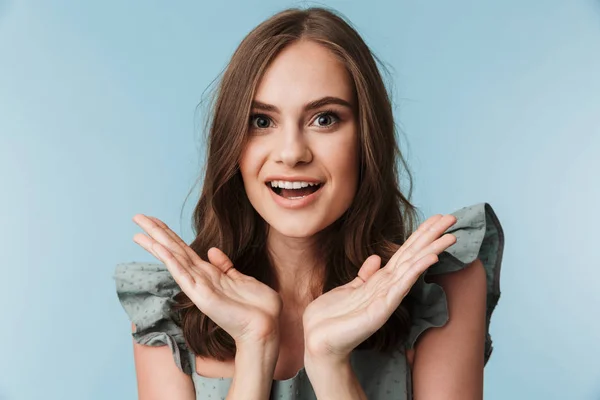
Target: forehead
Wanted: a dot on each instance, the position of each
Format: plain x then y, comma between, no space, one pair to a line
301,72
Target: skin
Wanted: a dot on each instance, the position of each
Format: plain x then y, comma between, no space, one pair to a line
448,361
295,141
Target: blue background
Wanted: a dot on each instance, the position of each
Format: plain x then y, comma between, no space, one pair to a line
498,102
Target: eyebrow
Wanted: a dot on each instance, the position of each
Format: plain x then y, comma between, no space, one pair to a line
307,107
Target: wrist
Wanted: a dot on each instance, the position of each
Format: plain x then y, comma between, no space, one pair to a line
264,335
333,378
320,361
268,349
321,355
254,368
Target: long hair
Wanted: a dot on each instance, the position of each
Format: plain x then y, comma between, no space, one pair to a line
377,222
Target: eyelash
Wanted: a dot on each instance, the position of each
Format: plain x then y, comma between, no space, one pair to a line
322,113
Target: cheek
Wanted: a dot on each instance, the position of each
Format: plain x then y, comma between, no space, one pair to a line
351,164
249,161
342,159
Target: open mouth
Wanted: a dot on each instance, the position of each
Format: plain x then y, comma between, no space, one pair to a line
294,194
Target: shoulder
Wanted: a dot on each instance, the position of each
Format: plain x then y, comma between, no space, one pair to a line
465,291
146,292
464,285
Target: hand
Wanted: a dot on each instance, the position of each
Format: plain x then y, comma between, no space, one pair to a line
244,307
339,320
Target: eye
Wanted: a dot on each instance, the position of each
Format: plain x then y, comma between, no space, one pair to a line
327,116
262,120
325,119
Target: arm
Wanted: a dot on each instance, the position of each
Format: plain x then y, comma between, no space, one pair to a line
338,321
333,381
247,309
448,361
254,368
159,378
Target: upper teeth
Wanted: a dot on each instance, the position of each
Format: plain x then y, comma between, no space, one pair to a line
291,185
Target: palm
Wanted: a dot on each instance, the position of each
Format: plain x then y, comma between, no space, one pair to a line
344,317
245,308
339,320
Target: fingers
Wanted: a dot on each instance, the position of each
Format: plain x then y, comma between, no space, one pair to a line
433,231
190,253
437,247
193,265
221,261
160,235
369,267
146,243
424,227
184,277
400,287
419,242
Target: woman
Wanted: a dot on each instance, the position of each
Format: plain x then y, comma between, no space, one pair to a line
307,278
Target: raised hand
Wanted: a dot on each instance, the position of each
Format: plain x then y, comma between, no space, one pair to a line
244,307
339,320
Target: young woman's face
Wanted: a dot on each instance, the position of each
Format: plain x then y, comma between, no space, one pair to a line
291,143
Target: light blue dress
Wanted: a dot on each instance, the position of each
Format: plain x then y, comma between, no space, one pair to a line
145,291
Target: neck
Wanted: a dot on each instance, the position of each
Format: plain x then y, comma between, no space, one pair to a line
296,265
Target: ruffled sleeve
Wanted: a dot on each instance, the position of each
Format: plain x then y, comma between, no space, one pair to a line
479,235
146,292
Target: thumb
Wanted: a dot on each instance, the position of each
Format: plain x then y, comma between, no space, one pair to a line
369,267
220,260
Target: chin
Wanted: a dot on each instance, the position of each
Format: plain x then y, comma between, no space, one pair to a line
299,230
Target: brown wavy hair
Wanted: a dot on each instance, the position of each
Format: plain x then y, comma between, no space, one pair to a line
379,219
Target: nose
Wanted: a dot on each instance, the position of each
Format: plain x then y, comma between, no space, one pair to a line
293,147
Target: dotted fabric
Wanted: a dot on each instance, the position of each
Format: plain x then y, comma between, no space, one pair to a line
146,292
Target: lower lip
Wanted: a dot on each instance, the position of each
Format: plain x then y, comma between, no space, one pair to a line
296,203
